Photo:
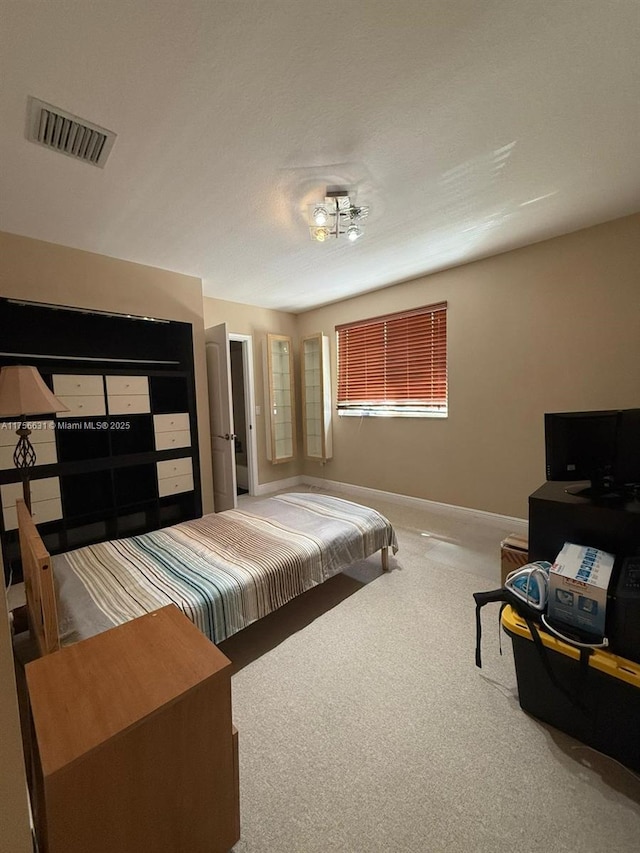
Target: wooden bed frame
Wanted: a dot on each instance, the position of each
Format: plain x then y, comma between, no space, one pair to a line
39,584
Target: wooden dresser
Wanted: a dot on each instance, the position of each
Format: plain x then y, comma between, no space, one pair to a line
133,743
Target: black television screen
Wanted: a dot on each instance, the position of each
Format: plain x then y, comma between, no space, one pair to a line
602,447
627,464
581,446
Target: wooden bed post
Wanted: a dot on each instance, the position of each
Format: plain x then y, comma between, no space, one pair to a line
38,583
385,559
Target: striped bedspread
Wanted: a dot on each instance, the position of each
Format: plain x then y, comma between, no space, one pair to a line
224,571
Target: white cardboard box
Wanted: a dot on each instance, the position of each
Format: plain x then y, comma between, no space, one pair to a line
578,583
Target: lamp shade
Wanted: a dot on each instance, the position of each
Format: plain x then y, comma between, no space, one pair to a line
23,392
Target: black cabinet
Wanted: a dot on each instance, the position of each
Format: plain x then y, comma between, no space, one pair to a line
135,484
86,494
168,394
555,517
81,440
133,435
124,459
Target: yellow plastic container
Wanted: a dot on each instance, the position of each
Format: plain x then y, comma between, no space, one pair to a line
594,699
599,659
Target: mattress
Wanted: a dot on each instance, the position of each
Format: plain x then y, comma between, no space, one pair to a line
224,570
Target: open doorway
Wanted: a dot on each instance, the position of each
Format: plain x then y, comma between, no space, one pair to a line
241,366
239,417
229,393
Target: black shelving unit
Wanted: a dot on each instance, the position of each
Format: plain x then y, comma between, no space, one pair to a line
106,468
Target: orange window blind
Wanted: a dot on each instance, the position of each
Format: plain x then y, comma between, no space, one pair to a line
396,363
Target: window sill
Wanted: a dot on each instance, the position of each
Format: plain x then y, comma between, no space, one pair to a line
369,413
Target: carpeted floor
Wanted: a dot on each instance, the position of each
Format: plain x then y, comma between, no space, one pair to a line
366,727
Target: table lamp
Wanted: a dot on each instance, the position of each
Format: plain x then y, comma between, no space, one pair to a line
22,393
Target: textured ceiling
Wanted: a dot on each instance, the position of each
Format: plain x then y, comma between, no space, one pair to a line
469,127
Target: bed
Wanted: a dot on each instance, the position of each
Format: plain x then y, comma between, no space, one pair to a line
224,571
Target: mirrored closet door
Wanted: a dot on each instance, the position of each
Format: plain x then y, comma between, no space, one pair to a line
281,433
316,397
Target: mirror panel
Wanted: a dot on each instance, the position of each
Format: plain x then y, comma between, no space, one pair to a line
316,397
281,434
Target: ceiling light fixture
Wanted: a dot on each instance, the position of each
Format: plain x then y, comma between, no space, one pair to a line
337,216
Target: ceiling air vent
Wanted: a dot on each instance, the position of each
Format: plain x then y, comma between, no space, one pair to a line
67,133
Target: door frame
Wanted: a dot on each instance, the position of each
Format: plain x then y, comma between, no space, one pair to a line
218,357
249,407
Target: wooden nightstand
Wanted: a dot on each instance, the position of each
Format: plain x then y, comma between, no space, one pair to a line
134,749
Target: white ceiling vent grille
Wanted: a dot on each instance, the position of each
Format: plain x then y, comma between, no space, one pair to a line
68,134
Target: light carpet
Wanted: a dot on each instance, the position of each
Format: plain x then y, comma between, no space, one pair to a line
365,725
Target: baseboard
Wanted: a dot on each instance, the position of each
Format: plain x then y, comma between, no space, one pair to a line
277,485
363,493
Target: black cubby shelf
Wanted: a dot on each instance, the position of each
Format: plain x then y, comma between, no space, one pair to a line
134,378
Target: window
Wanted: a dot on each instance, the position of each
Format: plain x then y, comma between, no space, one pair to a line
394,365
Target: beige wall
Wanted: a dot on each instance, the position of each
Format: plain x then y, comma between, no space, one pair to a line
15,832
45,272
551,327
258,322
554,326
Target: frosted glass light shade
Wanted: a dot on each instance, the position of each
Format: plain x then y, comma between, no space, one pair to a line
320,234
320,215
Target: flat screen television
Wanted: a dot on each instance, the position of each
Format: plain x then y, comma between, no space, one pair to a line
601,447
627,464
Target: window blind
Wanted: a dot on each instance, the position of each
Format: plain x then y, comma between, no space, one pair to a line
395,364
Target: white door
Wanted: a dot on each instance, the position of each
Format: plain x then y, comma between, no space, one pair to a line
221,418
